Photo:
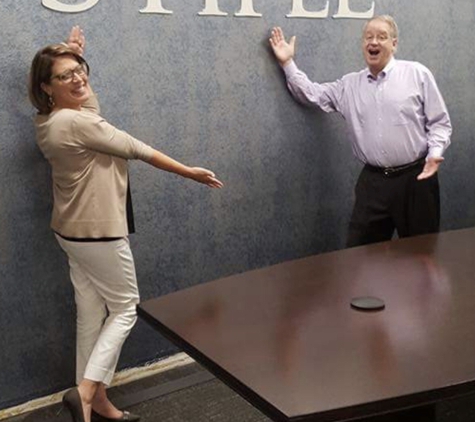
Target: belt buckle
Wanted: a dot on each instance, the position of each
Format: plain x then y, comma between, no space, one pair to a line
388,170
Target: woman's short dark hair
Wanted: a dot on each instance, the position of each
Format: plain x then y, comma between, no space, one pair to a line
41,72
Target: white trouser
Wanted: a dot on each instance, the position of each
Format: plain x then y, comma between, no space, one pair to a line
106,294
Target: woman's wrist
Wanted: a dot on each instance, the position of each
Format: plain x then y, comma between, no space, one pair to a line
187,172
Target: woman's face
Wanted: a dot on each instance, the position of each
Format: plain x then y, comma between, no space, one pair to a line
69,86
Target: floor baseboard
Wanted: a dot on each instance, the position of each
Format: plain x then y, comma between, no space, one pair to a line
120,378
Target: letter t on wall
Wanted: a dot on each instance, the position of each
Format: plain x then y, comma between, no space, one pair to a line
155,6
212,9
247,10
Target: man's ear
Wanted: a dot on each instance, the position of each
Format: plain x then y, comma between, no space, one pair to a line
47,89
395,40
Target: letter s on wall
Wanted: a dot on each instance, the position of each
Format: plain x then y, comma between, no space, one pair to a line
69,8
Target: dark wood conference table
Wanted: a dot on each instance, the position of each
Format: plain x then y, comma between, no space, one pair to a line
286,339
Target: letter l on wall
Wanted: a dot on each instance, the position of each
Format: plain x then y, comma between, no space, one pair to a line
345,12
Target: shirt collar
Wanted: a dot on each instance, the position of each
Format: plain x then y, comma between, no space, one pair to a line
384,72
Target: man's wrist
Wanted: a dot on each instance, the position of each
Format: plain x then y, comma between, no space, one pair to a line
286,62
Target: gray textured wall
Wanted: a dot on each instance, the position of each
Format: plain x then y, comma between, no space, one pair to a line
207,91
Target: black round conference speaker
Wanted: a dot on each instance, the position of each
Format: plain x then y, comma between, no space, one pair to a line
367,303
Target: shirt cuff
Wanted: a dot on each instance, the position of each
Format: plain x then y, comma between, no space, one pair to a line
291,69
435,152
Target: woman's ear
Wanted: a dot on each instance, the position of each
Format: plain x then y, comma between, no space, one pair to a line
46,88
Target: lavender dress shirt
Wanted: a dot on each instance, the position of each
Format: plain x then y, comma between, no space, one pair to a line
393,119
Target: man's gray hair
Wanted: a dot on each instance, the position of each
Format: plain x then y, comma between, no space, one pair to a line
389,20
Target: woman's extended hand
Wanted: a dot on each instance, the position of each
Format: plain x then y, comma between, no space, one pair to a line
205,176
198,174
76,40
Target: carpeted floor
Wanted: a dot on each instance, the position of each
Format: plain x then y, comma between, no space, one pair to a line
191,394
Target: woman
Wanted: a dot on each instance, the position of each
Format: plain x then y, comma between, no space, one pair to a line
92,215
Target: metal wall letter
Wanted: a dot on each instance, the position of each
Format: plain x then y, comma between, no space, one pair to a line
212,9
69,8
247,9
298,11
345,12
155,6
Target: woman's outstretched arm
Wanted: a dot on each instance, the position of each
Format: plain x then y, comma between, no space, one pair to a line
198,174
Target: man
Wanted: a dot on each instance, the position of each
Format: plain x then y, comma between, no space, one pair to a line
399,128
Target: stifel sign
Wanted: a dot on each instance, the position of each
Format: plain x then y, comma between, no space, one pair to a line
211,8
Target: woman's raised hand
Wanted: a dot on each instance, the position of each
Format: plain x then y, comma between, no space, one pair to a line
76,40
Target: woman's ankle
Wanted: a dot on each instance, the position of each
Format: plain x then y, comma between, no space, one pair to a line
87,390
103,406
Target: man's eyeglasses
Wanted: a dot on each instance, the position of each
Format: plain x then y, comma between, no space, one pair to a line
68,75
379,38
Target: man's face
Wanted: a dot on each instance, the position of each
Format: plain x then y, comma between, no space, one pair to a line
378,45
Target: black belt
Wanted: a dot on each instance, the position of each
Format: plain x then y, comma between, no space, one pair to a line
388,171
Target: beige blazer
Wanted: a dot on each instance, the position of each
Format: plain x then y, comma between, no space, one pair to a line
88,157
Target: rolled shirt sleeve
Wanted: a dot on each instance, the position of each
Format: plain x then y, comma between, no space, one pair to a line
327,96
438,125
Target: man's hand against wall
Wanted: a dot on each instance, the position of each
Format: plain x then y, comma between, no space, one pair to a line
431,167
284,51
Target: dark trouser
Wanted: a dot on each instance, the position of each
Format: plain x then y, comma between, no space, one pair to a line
395,201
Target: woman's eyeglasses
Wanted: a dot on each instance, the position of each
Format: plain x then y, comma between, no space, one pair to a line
68,75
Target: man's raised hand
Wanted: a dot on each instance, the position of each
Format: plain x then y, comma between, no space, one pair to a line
284,51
